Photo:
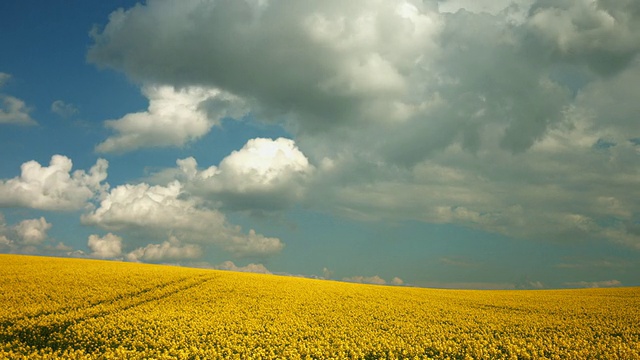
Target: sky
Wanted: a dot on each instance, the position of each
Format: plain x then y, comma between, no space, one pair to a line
448,144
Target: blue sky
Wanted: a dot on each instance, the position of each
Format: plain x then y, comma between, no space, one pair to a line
457,144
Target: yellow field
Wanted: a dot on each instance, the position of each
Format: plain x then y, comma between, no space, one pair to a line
68,308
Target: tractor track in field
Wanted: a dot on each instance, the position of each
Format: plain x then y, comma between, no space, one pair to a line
43,329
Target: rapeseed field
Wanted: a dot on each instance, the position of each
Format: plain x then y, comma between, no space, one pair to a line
87,309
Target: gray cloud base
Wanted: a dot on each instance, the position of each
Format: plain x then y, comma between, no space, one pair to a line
494,120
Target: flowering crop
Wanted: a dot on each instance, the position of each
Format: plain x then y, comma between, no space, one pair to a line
77,309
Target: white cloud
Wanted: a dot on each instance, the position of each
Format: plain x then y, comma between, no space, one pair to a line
252,268
265,174
349,63
53,187
494,118
106,247
33,231
174,118
63,109
28,236
377,280
593,284
158,210
13,110
168,250
251,244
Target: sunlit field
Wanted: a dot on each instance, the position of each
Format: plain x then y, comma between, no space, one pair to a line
69,308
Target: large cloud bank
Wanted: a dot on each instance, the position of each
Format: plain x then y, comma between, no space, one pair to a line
515,118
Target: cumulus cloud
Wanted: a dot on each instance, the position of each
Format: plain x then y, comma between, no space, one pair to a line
265,174
512,117
175,117
160,210
315,62
252,268
13,110
53,187
33,231
63,109
377,280
168,250
602,34
27,236
106,247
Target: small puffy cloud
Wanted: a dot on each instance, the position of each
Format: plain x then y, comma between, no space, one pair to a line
106,247
252,244
265,174
168,250
4,77
252,268
33,231
593,284
13,110
377,280
53,187
27,236
63,109
174,117
158,210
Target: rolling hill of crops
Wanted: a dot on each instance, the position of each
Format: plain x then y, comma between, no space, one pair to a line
77,309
